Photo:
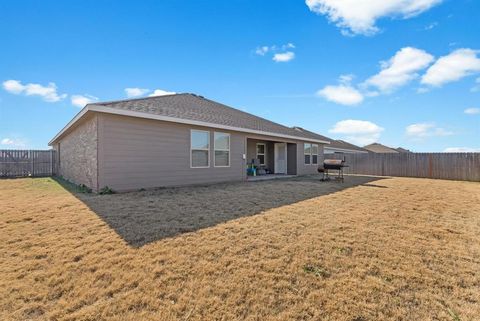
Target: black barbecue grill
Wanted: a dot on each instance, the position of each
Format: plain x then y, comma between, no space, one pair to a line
336,165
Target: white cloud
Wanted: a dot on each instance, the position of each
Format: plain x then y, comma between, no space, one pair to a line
424,130
135,92
461,150
360,132
400,69
453,67
396,72
261,51
403,67
341,94
472,111
160,92
82,100
7,141
13,86
13,143
48,93
346,79
281,53
284,56
360,16
431,26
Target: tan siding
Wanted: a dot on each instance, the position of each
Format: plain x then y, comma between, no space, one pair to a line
127,153
321,153
78,153
304,169
139,153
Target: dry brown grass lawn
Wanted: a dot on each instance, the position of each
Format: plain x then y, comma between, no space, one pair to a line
390,249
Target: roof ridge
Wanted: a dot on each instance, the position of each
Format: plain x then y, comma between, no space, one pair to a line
136,99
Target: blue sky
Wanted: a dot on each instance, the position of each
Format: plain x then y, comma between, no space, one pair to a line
401,72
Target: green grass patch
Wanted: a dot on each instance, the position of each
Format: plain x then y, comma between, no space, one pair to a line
69,186
316,270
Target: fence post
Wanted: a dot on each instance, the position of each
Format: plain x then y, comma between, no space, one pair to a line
430,166
31,154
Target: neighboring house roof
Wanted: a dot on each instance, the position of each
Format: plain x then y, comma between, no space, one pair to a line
402,150
336,145
194,110
379,148
341,145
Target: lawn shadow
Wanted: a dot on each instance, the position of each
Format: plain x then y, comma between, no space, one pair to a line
147,216
374,185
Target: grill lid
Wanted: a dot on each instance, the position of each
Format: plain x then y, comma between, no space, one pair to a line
333,162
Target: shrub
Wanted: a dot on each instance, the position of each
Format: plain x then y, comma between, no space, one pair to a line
318,271
82,188
106,190
72,187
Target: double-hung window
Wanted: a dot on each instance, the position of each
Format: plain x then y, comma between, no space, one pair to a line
199,148
307,151
314,154
261,153
310,152
221,146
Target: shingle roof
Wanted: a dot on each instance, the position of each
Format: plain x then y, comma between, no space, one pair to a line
402,150
379,148
311,134
197,108
341,144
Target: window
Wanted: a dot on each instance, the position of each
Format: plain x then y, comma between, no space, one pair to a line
261,153
199,148
314,154
307,151
221,145
310,152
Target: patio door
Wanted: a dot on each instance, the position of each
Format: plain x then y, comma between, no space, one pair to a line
280,163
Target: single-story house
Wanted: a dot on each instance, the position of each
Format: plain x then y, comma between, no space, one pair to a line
174,140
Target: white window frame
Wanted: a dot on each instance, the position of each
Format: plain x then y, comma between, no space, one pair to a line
221,150
264,152
204,149
311,156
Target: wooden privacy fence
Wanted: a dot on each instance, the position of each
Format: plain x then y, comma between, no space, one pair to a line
454,166
27,163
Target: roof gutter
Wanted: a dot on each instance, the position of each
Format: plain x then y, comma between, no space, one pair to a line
122,112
